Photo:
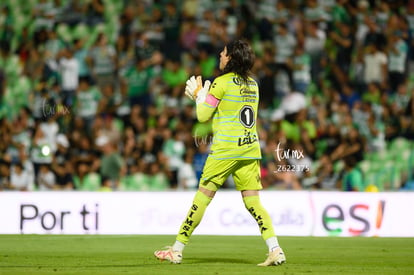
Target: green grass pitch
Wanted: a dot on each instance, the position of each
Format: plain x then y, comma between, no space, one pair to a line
118,254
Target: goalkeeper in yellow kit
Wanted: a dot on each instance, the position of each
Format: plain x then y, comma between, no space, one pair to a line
232,102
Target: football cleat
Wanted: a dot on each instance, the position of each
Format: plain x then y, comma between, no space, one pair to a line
168,254
276,257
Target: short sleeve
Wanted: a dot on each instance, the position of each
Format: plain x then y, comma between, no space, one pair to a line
357,181
383,59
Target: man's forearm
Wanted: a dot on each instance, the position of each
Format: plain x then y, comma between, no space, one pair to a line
206,108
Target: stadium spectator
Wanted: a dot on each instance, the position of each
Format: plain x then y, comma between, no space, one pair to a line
200,158
154,28
40,153
86,179
374,35
352,179
343,43
34,65
174,76
102,61
204,25
301,66
7,32
81,53
171,26
46,179
245,16
87,103
382,13
68,67
174,149
285,43
218,33
112,166
124,46
314,12
136,180
19,178
186,176
375,66
106,185
314,44
157,179
4,174
266,12
61,166
397,55
130,150
352,144
144,49
349,95
266,74
110,102
27,167
94,12
188,35
138,80
53,44
44,14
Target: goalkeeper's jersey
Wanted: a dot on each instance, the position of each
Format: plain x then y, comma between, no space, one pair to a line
234,122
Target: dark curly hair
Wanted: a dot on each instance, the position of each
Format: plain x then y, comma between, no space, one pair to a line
241,58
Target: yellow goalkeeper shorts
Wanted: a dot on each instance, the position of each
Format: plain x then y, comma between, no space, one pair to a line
246,174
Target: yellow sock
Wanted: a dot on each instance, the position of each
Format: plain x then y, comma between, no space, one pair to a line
194,216
262,217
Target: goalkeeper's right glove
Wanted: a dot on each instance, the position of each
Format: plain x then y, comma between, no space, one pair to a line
195,90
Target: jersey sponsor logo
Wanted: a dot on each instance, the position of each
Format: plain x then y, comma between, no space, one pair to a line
236,80
247,92
248,95
248,138
188,224
258,218
239,81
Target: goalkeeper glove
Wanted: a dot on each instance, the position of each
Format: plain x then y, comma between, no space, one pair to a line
195,90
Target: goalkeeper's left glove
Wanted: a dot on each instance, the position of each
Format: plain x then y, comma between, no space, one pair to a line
195,90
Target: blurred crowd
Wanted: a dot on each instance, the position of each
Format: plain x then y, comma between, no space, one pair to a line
91,92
